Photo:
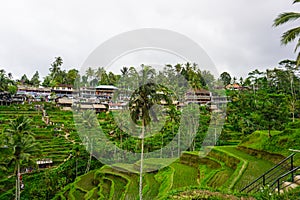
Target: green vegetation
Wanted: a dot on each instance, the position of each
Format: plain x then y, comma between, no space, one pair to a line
225,169
252,170
261,125
57,141
21,147
285,140
228,168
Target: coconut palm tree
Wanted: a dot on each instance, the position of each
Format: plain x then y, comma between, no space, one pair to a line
22,145
140,104
90,73
124,71
3,81
292,34
99,72
55,67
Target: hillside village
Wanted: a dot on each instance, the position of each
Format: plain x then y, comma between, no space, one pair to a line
100,97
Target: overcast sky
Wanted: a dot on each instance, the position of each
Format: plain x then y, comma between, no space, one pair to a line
236,34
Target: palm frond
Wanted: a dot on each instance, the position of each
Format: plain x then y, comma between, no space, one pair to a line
297,46
298,60
290,35
286,17
296,1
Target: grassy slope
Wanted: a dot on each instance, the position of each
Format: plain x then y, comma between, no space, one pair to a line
280,142
184,175
255,167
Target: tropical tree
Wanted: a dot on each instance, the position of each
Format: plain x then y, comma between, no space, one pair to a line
292,34
19,139
273,110
5,81
84,81
55,67
208,78
112,78
178,68
99,72
55,71
47,81
102,77
90,73
71,76
35,79
226,78
124,71
140,104
291,68
24,80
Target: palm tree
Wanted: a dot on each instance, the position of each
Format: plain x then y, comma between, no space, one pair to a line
21,142
3,81
55,70
142,99
124,71
90,73
178,68
99,72
55,66
292,34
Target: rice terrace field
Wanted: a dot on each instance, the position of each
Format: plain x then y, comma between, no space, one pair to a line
223,172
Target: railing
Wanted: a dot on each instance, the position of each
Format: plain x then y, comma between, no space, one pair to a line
271,175
288,177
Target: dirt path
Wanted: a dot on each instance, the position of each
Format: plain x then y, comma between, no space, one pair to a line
67,134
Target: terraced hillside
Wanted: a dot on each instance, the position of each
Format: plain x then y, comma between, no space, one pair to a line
224,168
56,139
255,166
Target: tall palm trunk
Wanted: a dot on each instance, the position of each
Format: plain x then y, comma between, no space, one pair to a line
162,144
16,188
179,143
293,99
142,159
76,167
172,152
18,182
90,158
